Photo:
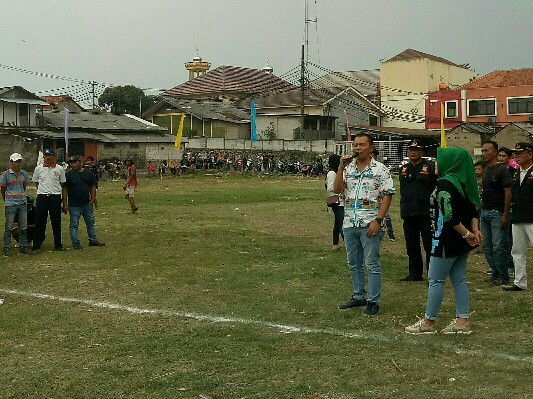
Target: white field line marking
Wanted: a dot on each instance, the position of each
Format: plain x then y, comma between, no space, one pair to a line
281,327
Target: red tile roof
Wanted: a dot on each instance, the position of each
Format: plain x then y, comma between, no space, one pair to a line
411,54
226,79
513,77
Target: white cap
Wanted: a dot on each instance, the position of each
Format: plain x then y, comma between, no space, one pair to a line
15,157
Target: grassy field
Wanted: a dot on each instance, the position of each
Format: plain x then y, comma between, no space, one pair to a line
225,287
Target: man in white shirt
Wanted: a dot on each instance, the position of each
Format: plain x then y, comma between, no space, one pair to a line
49,179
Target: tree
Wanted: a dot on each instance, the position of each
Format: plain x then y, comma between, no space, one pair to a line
125,100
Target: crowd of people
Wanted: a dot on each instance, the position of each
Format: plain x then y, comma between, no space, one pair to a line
71,190
452,206
263,162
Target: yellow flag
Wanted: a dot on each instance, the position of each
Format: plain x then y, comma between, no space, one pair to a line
177,144
442,133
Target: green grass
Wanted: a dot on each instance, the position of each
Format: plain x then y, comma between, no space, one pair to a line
254,250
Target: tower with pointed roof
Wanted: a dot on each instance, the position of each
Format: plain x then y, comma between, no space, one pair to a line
197,67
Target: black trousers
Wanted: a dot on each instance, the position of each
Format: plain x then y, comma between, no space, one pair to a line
415,228
44,205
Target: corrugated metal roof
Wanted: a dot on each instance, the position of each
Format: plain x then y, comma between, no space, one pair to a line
18,94
513,77
528,127
230,79
293,98
365,82
95,122
410,54
206,110
108,138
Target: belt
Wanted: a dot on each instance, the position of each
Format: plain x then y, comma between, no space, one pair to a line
48,195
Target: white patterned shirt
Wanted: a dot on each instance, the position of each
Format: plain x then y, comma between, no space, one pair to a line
364,192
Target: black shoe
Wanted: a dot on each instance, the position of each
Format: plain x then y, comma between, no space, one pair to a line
23,250
76,246
59,249
498,281
7,252
35,250
372,309
96,244
410,277
353,303
513,288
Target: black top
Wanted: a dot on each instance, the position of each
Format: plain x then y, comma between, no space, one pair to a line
449,208
522,198
495,179
79,186
417,182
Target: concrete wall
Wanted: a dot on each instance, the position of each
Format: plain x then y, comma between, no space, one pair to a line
464,138
29,150
317,146
510,135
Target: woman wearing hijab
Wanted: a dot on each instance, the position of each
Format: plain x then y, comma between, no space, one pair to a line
338,210
455,205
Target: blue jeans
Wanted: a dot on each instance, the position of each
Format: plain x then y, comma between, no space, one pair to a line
362,250
439,269
88,216
495,243
11,212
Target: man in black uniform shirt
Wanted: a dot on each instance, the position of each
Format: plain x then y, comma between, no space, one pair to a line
417,182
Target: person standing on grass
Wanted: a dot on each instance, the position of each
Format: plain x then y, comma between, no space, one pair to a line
131,184
367,188
79,197
93,167
522,215
49,178
13,184
338,210
455,205
417,181
494,217
387,221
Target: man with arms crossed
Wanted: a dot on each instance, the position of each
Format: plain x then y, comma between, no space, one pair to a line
79,197
368,188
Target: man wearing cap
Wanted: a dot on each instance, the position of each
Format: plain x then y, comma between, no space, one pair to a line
49,178
522,213
131,184
79,197
417,182
13,184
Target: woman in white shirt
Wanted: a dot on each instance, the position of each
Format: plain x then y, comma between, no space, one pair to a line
338,210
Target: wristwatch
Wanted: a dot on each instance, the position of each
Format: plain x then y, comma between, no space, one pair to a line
379,220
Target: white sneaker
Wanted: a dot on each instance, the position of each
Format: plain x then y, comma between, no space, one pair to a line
420,328
453,328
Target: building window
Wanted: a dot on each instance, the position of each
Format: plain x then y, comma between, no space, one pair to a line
451,109
134,145
519,105
482,107
109,145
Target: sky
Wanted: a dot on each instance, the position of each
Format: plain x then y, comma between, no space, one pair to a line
147,42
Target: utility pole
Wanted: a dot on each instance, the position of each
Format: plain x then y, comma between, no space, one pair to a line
302,94
93,84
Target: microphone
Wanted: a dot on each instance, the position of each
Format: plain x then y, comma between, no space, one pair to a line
346,161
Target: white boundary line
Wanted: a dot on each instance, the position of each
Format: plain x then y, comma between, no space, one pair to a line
222,319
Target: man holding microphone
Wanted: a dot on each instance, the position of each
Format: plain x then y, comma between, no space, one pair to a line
368,188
